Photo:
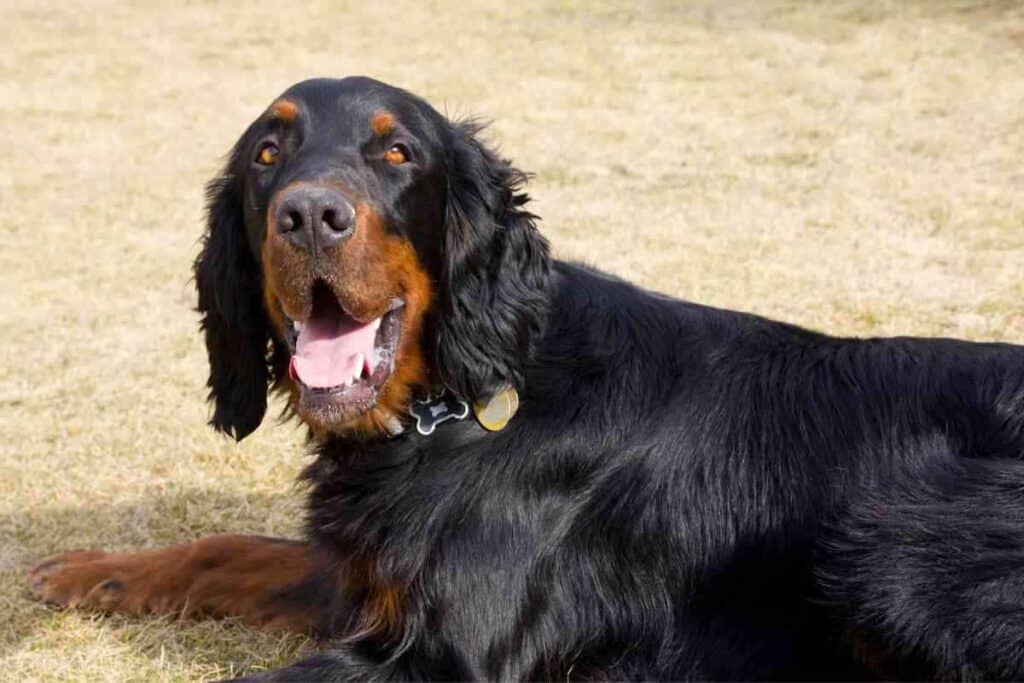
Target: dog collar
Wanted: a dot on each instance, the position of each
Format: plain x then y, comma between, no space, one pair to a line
493,414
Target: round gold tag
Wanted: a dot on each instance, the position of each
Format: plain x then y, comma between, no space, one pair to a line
495,413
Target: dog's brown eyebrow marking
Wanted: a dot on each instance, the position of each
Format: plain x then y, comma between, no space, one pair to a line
382,123
284,110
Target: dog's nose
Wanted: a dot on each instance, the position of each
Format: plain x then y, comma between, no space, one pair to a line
314,217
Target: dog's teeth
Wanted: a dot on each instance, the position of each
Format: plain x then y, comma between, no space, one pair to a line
376,324
298,326
360,362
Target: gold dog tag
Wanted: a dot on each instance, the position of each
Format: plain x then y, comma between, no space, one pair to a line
496,412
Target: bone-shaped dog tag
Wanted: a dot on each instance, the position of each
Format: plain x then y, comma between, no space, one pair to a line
434,410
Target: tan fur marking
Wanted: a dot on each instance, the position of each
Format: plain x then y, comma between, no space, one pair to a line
223,576
397,261
382,602
285,110
382,123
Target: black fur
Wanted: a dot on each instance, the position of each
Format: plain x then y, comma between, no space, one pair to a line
691,493
494,273
244,359
234,322
686,492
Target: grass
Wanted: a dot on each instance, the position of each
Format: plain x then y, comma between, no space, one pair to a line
849,166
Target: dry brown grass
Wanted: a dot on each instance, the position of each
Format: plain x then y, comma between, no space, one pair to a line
853,166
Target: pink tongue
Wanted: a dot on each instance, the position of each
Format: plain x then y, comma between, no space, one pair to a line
332,349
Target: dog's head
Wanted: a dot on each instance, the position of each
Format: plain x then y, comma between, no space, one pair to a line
361,248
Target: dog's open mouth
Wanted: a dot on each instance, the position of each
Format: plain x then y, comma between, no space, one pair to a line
338,360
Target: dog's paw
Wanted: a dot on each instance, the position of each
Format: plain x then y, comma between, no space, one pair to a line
77,579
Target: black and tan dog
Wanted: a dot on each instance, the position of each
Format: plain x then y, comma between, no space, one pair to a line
527,469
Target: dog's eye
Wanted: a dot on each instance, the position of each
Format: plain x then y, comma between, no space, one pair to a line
397,154
267,156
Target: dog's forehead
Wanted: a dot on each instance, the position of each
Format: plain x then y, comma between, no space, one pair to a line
350,103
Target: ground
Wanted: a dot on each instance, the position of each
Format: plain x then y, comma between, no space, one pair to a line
849,166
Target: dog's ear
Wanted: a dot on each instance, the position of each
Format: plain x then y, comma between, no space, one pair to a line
234,321
494,272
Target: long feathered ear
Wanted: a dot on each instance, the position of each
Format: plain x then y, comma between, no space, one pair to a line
234,321
494,279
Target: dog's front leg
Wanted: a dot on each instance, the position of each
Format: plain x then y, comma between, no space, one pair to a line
266,582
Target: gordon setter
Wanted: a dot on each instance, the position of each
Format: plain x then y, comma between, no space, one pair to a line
528,469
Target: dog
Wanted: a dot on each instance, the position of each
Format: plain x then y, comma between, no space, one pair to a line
528,469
